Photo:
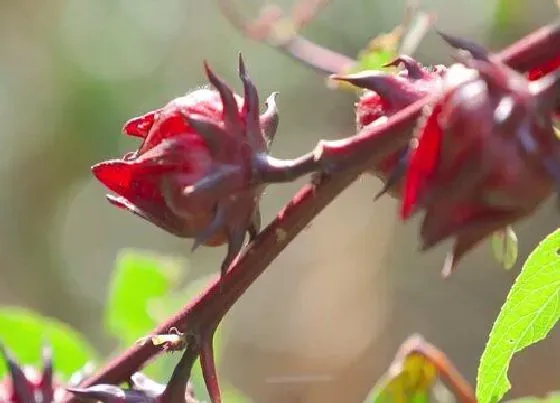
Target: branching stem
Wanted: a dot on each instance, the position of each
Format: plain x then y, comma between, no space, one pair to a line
343,161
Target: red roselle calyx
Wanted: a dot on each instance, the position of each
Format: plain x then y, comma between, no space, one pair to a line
384,95
486,155
142,390
24,384
197,172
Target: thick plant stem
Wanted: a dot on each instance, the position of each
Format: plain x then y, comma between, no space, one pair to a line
535,50
343,160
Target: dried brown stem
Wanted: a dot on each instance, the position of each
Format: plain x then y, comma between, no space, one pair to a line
350,156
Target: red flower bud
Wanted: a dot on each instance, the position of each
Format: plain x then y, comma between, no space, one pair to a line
540,72
26,384
194,173
486,156
142,390
385,94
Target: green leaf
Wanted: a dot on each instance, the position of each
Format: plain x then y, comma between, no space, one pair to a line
375,59
410,378
25,333
160,308
504,247
531,310
138,278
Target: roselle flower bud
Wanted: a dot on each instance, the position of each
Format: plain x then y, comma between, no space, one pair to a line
486,154
142,390
541,71
26,384
194,173
385,94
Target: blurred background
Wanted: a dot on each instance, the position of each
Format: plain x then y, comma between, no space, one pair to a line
325,320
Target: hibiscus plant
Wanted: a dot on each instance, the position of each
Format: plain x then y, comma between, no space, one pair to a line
471,146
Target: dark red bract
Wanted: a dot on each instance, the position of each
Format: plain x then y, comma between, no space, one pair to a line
387,93
142,390
27,385
535,74
486,155
193,173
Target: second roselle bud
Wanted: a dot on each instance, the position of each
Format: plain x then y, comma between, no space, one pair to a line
386,94
486,155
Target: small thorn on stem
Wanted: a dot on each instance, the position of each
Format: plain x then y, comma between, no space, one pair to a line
177,387
397,174
236,238
255,226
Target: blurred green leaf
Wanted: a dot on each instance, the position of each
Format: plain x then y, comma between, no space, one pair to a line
508,11
529,313
139,277
375,59
410,378
161,308
505,247
25,333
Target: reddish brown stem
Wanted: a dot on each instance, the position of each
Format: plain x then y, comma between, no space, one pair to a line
351,157
447,371
534,50
280,32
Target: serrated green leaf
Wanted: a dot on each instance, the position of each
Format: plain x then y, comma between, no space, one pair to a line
505,247
138,278
25,333
531,310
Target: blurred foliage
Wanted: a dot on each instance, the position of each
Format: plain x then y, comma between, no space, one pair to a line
72,72
25,333
146,290
143,292
410,379
137,279
505,247
531,310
